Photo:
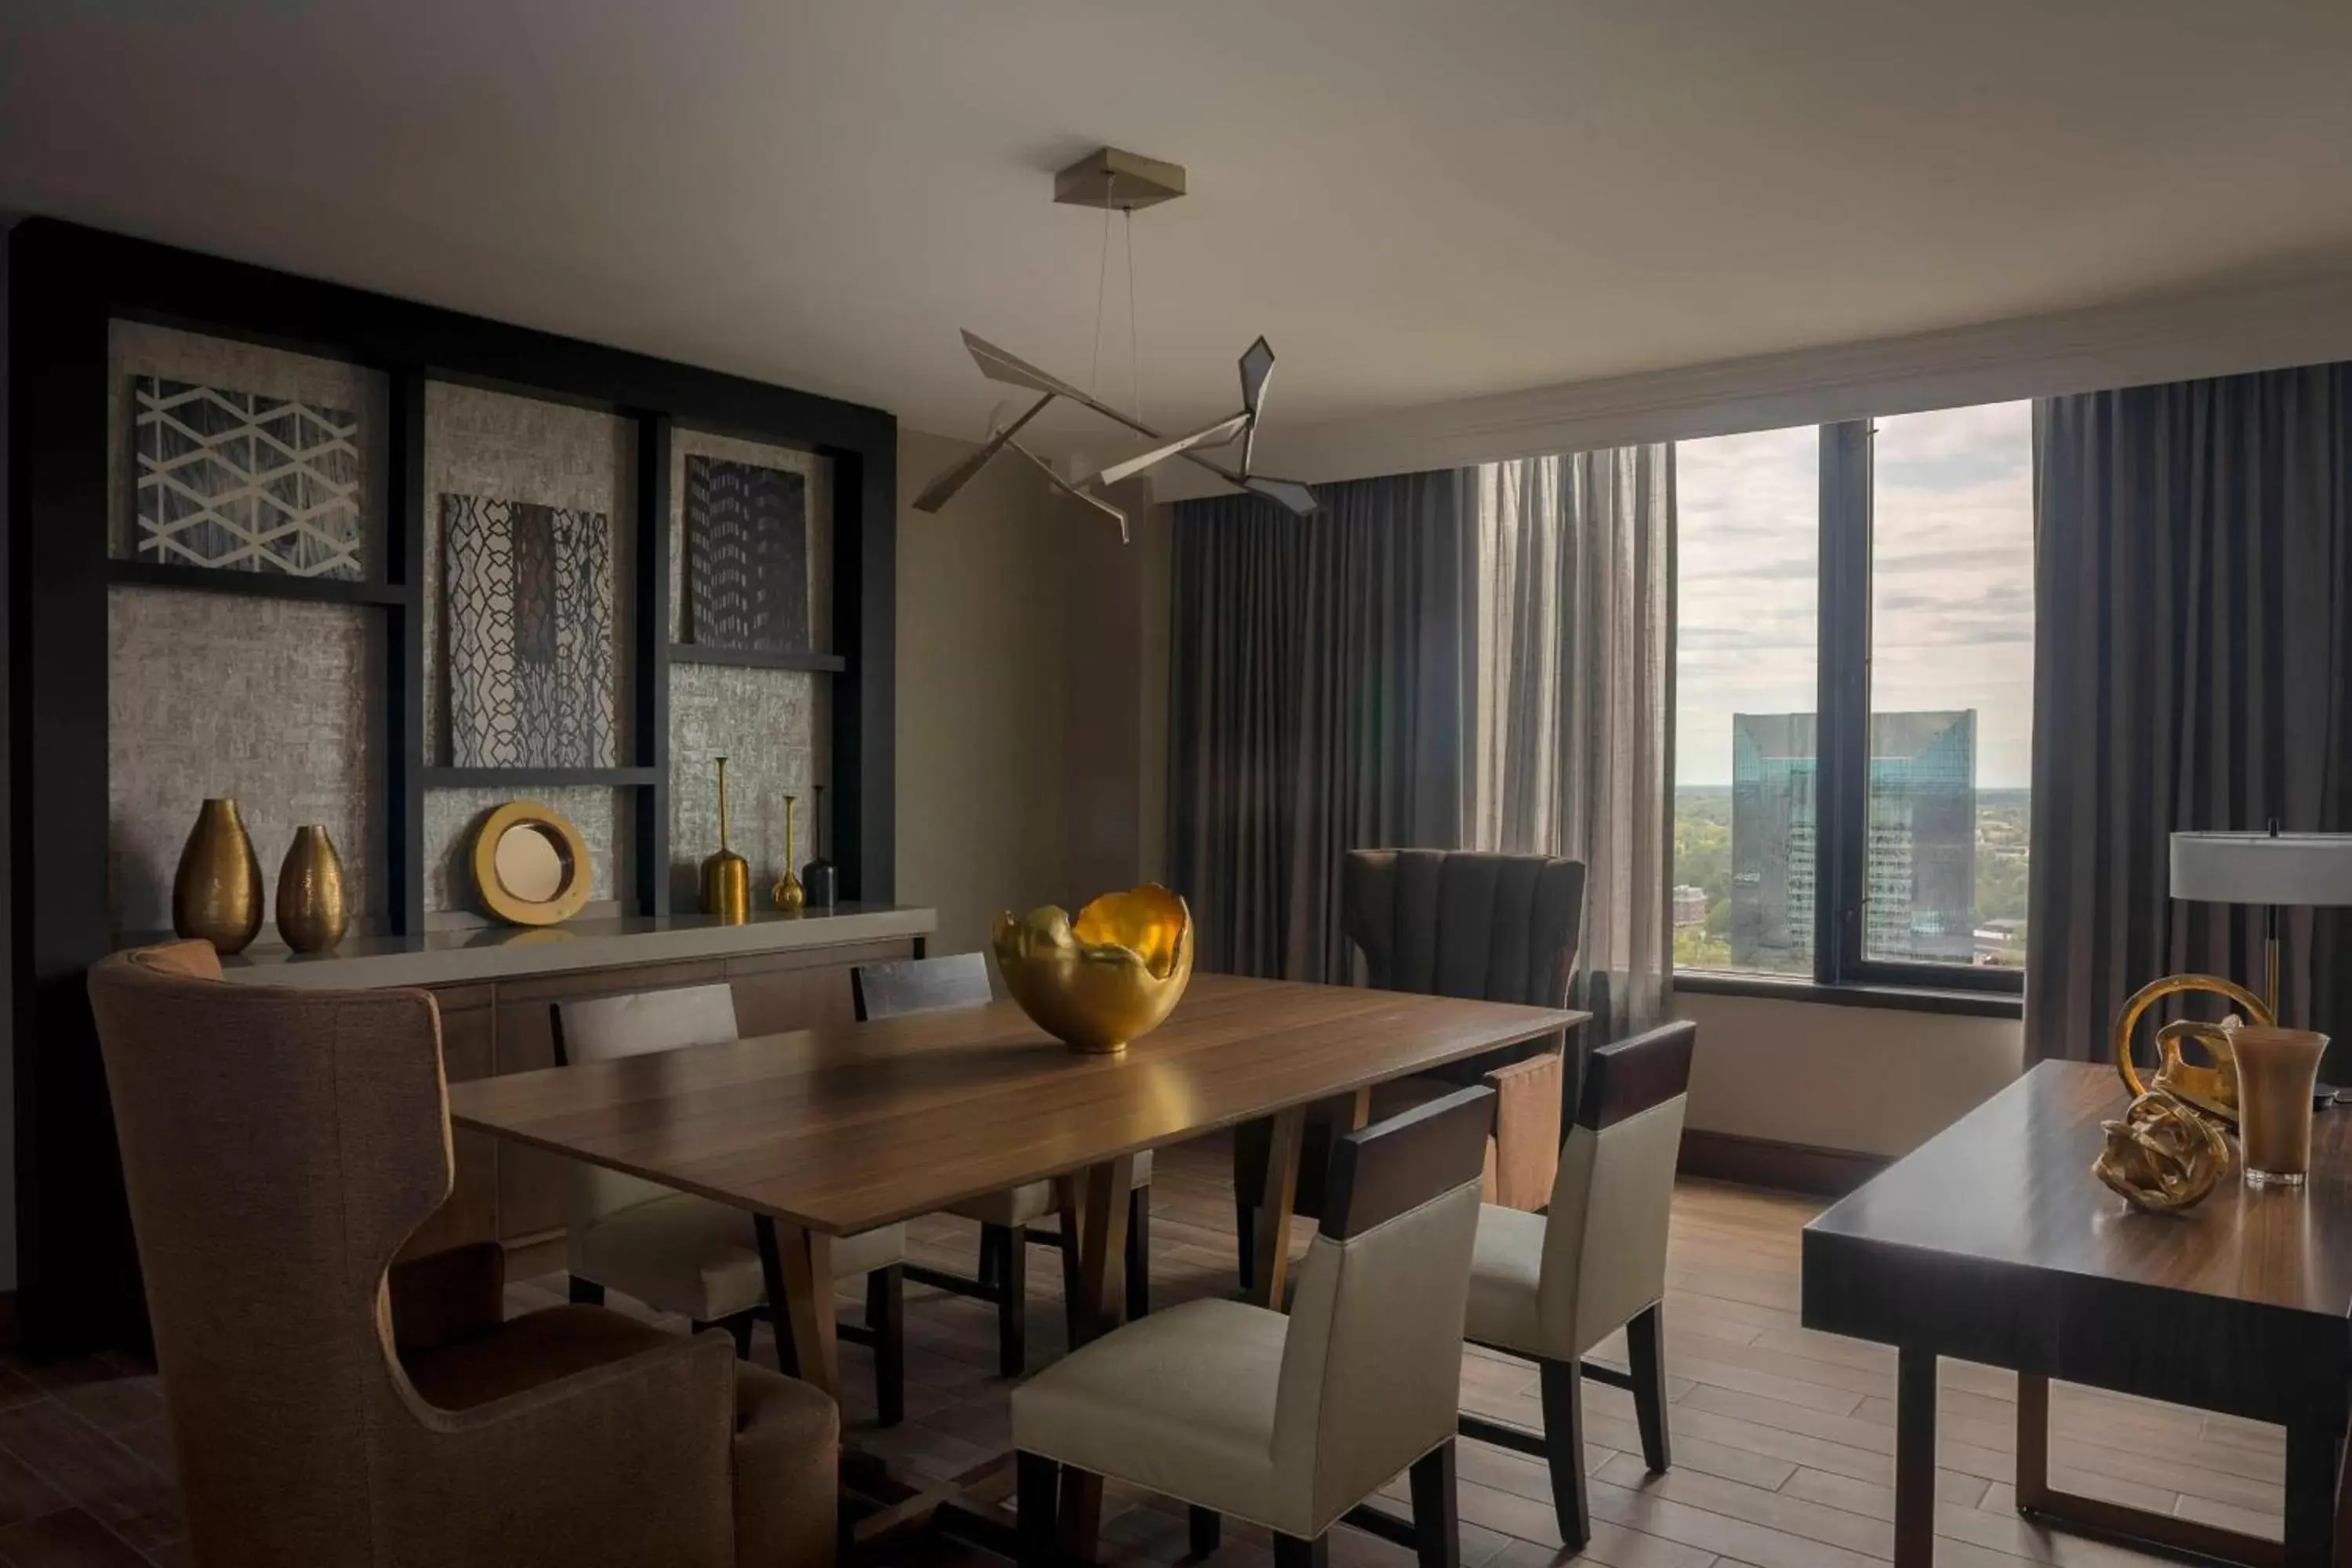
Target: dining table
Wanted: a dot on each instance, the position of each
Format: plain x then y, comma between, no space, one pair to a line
830,1131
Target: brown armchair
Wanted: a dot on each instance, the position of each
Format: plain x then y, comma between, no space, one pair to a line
1449,922
278,1147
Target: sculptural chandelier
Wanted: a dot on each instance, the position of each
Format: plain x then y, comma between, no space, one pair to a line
1120,181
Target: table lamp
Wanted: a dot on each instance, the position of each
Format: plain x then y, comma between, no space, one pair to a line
2274,869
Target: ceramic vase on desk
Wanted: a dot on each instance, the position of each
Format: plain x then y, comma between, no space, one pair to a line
311,911
820,878
726,876
217,894
790,896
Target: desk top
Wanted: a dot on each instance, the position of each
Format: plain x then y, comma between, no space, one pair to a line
850,1126
1994,1242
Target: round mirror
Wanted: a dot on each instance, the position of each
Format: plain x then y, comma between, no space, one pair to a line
530,863
530,866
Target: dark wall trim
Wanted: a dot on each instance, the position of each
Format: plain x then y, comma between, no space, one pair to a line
1784,1167
77,1269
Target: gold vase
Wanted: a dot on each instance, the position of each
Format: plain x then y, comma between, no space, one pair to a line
217,894
788,893
312,914
726,876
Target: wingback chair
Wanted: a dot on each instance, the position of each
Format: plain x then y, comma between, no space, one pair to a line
1453,923
279,1146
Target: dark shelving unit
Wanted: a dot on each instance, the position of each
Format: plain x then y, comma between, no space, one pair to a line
758,659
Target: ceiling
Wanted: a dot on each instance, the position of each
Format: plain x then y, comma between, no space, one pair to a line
1417,202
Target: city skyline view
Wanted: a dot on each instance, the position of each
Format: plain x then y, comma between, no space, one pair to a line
1951,591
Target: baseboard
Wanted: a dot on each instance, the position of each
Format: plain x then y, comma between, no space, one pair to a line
1762,1163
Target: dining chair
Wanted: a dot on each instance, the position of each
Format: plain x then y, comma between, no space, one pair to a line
328,1406
1444,923
1289,1421
679,1253
1548,1287
960,979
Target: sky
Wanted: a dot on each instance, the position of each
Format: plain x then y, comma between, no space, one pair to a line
1951,581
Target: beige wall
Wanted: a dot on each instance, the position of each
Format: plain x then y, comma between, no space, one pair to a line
1875,1080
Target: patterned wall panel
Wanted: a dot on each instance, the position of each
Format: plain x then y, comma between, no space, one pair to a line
747,556
816,473
529,623
244,482
764,722
452,815
266,700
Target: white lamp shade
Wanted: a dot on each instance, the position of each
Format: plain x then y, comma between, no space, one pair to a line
2297,870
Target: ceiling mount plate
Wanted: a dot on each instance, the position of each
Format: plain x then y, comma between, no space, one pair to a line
1107,177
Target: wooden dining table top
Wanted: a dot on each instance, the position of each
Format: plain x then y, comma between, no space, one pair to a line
846,1127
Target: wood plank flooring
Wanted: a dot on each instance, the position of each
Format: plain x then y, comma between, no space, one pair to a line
1782,1438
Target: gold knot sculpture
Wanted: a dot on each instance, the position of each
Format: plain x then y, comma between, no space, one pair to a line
2209,1087
2164,1154
1109,977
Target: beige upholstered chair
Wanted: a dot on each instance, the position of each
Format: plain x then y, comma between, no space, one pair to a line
679,1253
1291,1421
279,1146
1551,1286
1450,923
960,979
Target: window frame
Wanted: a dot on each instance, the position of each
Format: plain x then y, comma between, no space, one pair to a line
1843,973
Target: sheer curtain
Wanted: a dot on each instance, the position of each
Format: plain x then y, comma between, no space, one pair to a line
1570,734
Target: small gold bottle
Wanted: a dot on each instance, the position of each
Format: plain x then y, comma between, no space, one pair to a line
726,876
790,896
312,912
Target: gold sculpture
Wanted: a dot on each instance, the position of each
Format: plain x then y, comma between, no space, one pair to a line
2164,1154
217,893
529,864
1106,978
790,896
726,876
2208,1088
311,915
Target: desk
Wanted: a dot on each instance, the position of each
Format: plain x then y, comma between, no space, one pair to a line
1994,1243
833,1130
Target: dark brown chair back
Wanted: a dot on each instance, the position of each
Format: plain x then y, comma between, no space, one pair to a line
919,985
1454,922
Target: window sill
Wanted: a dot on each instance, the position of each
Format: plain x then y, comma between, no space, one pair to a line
1899,999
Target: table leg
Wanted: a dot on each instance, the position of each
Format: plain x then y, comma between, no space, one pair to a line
2312,1457
1915,1458
2032,1441
1101,1216
797,1267
1273,1261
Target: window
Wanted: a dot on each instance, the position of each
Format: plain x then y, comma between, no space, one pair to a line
1748,569
1854,703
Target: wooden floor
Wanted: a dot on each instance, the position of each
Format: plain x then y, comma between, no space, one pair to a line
1781,1437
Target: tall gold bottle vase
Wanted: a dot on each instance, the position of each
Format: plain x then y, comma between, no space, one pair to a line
790,896
217,894
311,913
726,876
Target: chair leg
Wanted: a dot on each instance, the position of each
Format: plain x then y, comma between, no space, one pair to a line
1563,1418
1139,1252
1038,1483
1246,1233
740,1326
587,1292
1070,1280
1013,1306
1204,1529
1291,1551
994,1242
1645,1353
885,1315
1436,1528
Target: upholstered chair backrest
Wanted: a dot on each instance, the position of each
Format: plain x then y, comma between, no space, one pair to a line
1605,1233
1371,1366
605,1028
1452,922
919,985
279,1146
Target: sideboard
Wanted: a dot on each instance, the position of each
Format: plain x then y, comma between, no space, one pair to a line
497,988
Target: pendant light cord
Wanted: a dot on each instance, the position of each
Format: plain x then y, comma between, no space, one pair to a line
1134,358
1102,282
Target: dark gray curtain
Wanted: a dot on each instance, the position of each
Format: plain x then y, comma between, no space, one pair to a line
2193,585
1315,706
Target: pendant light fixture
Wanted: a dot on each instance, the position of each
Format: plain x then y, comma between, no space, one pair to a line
1120,181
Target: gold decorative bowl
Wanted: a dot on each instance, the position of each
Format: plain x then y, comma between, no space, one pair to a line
1109,977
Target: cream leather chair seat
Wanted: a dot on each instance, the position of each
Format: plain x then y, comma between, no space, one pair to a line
1034,1201
684,1254
1551,1286
1290,1421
